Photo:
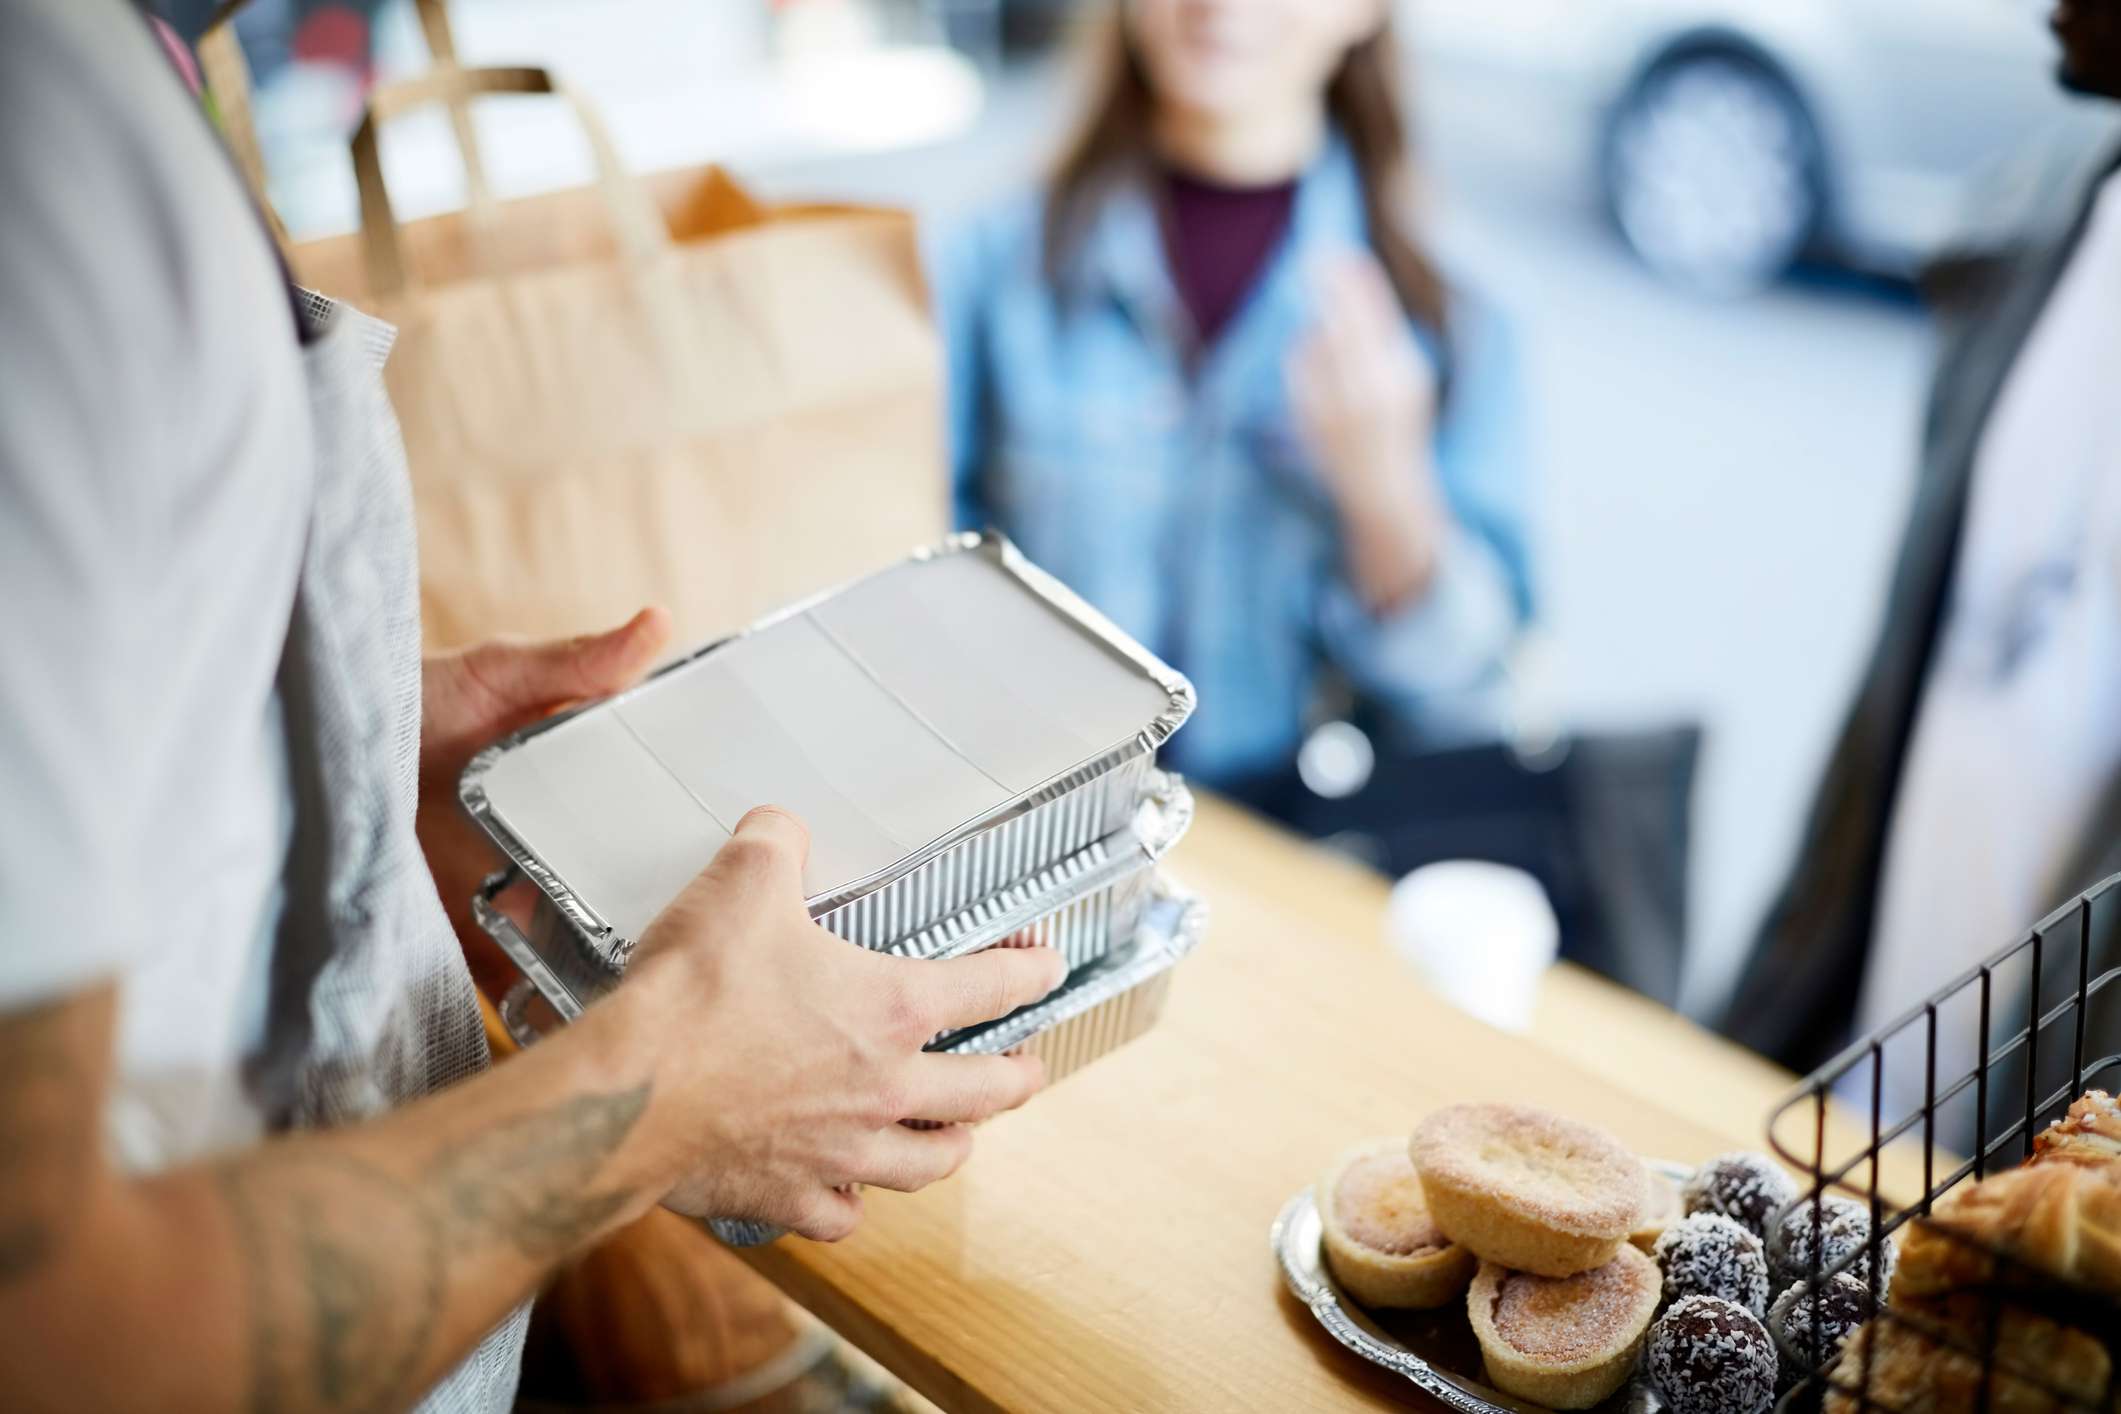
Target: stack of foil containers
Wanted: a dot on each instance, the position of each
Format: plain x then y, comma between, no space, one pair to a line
972,746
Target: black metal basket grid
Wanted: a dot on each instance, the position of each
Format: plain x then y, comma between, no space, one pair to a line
1971,1076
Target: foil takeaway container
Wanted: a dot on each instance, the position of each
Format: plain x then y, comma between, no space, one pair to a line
1083,906
946,728
1100,1008
972,747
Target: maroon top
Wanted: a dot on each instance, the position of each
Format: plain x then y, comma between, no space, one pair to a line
1218,240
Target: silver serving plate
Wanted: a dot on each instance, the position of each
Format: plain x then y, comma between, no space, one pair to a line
1432,1350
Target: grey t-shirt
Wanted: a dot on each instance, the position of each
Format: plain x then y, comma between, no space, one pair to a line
154,485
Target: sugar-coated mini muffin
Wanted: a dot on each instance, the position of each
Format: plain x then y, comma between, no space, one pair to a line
1659,1211
1748,1188
1707,1356
1382,1243
1528,1190
1709,1254
1565,1342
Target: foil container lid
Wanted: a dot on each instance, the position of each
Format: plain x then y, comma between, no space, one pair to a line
898,715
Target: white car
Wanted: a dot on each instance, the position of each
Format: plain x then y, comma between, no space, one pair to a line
1730,137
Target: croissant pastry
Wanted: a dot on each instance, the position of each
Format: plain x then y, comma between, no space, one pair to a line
2040,1368
2089,1134
2060,1220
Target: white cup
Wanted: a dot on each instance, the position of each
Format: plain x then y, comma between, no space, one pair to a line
1481,935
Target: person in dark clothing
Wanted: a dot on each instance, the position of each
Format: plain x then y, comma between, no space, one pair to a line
1976,784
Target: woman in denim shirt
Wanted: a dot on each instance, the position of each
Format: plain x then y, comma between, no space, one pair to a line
1209,378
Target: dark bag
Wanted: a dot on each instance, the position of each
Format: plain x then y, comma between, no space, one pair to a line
1602,820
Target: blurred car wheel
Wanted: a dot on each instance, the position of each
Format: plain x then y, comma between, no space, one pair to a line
1713,171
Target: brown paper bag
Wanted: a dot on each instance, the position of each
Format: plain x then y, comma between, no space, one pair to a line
654,391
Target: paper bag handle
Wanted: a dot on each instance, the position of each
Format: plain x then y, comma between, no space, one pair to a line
442,54
226,74
639,223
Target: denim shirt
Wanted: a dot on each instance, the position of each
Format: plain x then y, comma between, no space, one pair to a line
1170,486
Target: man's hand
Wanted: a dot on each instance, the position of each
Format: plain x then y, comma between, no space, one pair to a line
1365,398
472,698
800,1054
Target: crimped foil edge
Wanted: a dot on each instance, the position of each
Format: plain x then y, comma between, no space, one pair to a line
471,794
1172,925
1103,1029
995,858
1159,822
1178,689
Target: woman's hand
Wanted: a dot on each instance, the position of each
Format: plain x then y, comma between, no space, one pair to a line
1365,398
473,697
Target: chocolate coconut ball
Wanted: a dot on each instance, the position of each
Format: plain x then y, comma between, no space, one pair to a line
1839,1230
1747,1188
1708,1356
1709,1254
1810,1332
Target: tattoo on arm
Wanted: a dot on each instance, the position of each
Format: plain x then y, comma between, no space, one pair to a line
347,1263
525,1180
335,1325
322,1237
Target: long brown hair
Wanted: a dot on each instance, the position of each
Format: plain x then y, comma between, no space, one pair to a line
1362,102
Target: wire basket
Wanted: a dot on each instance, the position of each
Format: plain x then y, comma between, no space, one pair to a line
1954,1091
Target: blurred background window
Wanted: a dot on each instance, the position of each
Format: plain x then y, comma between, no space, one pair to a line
1699,215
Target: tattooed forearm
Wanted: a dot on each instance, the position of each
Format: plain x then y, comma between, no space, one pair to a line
346,1281
525,1180
323,1273
48,1128
347,1263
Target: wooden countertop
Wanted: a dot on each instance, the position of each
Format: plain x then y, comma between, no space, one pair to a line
1106,1248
